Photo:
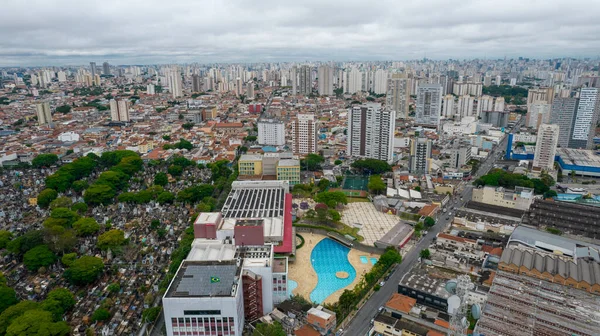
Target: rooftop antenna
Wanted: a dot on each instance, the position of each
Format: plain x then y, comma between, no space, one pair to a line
457,305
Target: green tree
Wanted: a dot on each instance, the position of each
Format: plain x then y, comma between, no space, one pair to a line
13,312
166,137
371,166
68,259
100,314
64,109
39,256
84,270
5,238
46,197
80,186
376,184
44,160
61,202
8,297
154,224
111,239
79,207
99,194
429,222
67,215
161,179
269,329
312,162
175,170
250,138
144,196
117,180
37,322
165,197
58,238
331,198
86,226
425,254
151,314
63,296
26,242
114,287
550,194
188,126
323,184
334,215
337,162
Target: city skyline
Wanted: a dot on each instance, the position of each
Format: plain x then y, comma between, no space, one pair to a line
234,31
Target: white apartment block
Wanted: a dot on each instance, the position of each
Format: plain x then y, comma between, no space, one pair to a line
271,132
304,134
545,147
371,132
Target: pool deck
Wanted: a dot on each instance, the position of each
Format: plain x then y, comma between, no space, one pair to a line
303,273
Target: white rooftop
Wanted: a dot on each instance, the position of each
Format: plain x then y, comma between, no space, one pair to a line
210,249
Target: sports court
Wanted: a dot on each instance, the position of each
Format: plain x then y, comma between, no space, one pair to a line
355,183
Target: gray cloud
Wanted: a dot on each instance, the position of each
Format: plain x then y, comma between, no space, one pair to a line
44,32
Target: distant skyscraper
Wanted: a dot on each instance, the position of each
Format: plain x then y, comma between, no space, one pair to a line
305,80
465,106
150,89
355,81
545,147
429,104
196,83
325,76
239,89
538,113
119,110
534,96
250,90
271,132
105,68
62,76
93,69
585,119
420,155
397,97
563,115
304,134
371,132
448,106
380,82
294,79
484,104
44,114
175,85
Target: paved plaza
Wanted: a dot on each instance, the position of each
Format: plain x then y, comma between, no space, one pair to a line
373,224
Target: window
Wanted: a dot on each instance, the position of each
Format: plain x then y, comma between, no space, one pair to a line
201,312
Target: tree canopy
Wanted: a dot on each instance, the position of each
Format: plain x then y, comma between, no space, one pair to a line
46,197
44,160
39,256
501,178
331,198
312,162
99,194
161,179
86,226
84,270
111,239
37,322
376,184
8,297
269,329
371,166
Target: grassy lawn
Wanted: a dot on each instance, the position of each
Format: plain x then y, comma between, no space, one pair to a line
357,199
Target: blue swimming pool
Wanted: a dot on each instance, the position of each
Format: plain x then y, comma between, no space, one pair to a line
364,259
327,258
374,261
291,285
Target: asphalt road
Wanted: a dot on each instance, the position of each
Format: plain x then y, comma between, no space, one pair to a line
361,323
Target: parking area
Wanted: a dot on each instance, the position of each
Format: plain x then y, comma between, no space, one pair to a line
373,224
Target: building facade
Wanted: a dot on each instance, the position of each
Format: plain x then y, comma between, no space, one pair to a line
585,119
545,147
43,113
563,114
304,134
305,80
119,110
429,104
420,155
325,80
271,132
371,132
397,97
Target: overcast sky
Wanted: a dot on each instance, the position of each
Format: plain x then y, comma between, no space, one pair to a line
56,32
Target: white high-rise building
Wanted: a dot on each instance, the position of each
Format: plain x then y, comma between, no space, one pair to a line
44,114
538,113
305,80
119,110
545,147
585,119
239,90
448,106
271,132
465,106
175,84
429,104
355,81
150,89
294,79
397,97
499,104
250,90
420,155
380,82
62,76
484,104
304,134
93,69
325,80
371,132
